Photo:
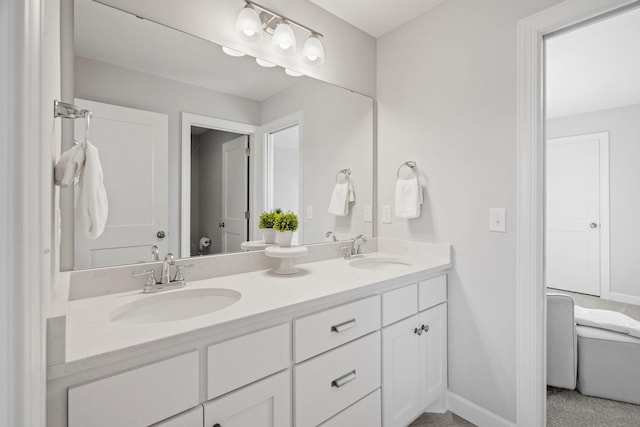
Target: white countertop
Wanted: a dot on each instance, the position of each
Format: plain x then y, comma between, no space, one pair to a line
90,333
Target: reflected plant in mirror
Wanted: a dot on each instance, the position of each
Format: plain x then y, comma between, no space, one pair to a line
196,143
267,219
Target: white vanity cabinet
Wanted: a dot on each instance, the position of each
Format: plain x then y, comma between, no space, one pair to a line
414,352
330,382
266,403
191,418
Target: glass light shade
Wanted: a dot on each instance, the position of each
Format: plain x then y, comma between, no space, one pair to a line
283,36
249,24
313,50
232,52
292,73
263,63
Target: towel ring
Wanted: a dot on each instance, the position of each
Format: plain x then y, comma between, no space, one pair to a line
410,164
345,172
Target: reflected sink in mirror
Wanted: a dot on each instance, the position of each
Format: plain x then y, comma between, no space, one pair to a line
172,306
380,263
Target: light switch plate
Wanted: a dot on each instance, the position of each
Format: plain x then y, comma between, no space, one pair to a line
386,214
368,213
308,212
498,220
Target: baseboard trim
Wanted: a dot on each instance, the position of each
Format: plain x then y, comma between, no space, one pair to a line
629,299
475,413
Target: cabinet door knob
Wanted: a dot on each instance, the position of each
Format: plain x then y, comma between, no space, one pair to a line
344,326
425,328
345,379
217,425
418,331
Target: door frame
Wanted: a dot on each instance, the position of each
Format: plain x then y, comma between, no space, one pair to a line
188,120
603,224
284,122
530,291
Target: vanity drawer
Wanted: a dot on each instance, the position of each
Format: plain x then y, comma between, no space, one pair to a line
399,304
331,328
365,412
432,292
327,384
239,361
138,397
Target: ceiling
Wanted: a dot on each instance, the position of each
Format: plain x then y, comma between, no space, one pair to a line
145,46
594,67
377,17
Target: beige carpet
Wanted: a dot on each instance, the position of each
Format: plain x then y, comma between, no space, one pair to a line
447,419
568,408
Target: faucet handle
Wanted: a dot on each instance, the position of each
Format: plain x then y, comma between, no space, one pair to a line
346,252
151,276
179,276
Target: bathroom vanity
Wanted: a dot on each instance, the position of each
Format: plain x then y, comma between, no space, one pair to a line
341,343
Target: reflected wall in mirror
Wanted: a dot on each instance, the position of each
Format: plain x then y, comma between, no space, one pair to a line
123,61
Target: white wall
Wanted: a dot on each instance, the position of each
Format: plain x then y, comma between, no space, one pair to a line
623,125
446,99
331,139
350,53
106,83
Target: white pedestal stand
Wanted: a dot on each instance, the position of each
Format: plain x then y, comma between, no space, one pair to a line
255,245
286,254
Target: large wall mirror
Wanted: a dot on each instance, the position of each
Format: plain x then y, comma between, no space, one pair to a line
195,144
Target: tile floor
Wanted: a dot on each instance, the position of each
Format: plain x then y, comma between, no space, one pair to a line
447,419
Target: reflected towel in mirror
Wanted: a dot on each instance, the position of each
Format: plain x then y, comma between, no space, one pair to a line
92,207
341,196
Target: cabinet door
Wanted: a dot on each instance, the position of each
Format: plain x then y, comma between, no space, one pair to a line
266,403
433,354
400,371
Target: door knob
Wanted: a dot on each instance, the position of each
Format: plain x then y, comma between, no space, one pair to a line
161,234
593,225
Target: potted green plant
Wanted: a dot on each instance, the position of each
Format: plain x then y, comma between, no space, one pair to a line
285,223
266,222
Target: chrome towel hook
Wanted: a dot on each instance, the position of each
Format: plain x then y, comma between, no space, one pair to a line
345,172
410,164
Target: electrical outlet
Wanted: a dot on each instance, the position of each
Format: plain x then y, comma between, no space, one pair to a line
368,213
498,220
386,214
308,212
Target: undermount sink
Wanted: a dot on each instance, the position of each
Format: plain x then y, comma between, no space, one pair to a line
177,305
379,263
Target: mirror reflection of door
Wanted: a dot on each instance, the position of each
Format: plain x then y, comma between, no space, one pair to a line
282,171
219,191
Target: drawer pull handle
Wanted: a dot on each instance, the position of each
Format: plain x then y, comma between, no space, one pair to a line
343,380
343,326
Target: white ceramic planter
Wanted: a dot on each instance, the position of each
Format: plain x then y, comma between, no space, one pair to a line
284,238
269,235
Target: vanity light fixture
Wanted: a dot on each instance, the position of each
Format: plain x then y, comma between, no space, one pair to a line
249,24
263,63
283,36
313,50
293,73
254,16
232,52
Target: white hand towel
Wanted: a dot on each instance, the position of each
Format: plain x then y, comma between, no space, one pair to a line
69,166
408,198
92,207
340,197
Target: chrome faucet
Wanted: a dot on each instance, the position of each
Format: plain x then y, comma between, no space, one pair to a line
332,235
166,266
354,247
165,283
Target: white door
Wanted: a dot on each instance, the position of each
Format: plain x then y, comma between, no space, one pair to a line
132,146
433,354
266,403
576,171
235,193
400,373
